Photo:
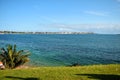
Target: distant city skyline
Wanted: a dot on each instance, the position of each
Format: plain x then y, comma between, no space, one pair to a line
98,16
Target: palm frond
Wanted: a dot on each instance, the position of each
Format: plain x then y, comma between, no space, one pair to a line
13,58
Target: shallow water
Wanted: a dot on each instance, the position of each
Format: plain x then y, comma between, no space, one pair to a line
66,49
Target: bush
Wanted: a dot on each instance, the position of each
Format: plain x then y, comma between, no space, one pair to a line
12,58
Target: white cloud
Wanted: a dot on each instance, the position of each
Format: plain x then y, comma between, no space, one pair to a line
118,0
96,13
97,28
66,29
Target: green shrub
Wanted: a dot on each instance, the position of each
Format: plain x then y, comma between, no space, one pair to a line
12,58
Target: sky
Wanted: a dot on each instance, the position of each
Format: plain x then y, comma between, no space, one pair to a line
98,16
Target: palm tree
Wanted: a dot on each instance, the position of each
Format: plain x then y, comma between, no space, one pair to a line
12,58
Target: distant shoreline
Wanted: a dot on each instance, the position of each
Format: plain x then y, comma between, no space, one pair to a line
15,32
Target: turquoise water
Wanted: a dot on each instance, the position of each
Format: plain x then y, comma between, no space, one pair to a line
63,49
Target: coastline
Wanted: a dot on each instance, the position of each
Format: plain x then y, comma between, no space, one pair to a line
15,32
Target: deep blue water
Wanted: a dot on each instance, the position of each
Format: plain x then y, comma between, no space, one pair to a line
59,50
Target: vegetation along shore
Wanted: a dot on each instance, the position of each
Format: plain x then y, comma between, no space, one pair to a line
91,72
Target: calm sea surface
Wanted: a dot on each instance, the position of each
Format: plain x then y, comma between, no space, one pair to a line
59,50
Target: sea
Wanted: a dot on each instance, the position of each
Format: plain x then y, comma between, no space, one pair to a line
66,49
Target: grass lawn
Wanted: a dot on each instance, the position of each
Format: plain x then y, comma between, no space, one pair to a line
93,72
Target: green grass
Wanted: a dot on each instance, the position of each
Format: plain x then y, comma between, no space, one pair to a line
93,72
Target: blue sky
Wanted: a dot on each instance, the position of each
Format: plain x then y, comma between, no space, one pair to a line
99,16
